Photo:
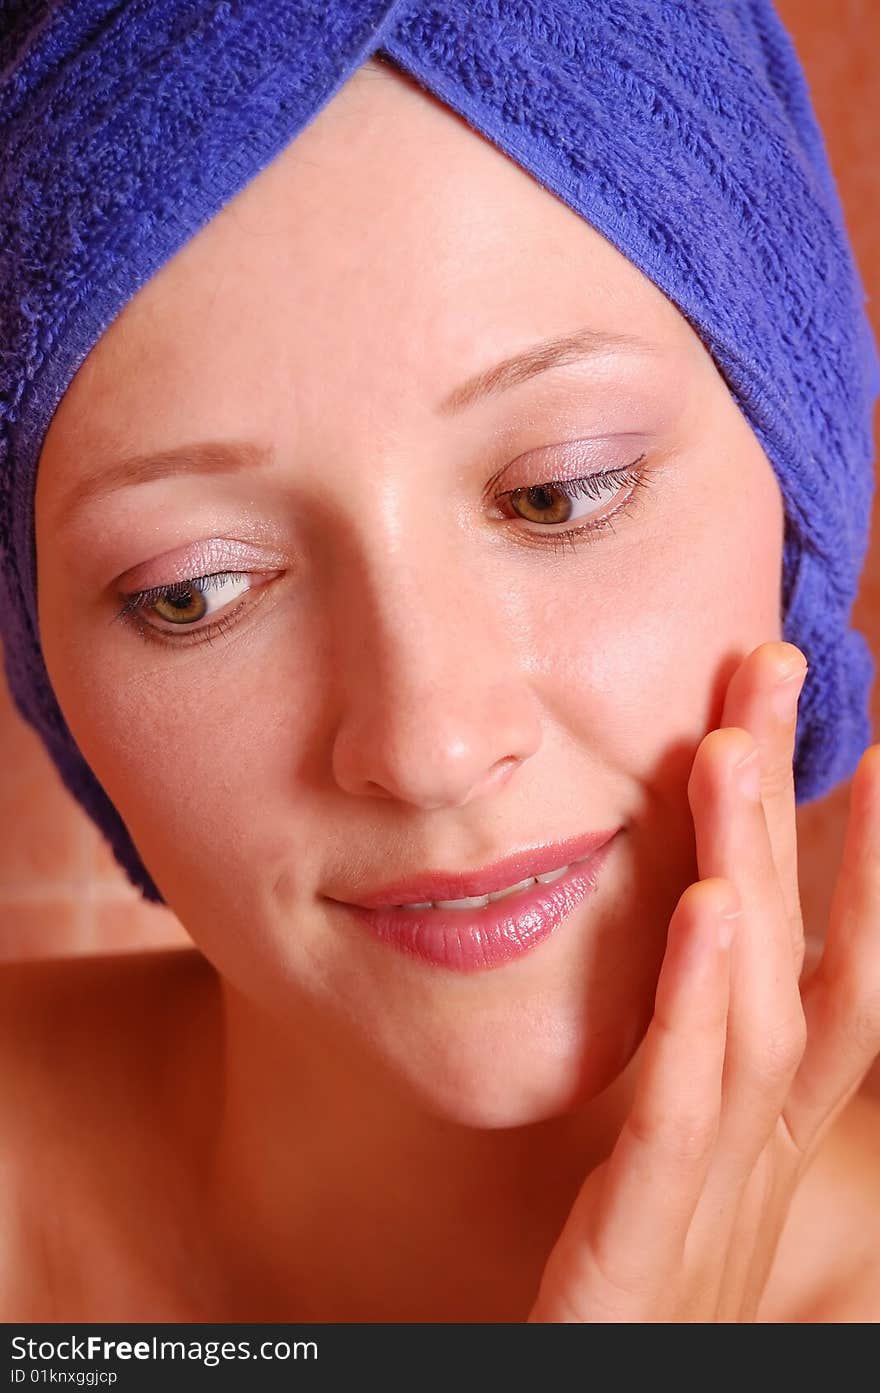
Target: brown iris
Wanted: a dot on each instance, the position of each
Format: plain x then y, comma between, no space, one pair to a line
180,606
540,497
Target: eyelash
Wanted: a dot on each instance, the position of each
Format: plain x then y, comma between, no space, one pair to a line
588,486
142,599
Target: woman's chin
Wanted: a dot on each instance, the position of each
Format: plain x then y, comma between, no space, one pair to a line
498,1083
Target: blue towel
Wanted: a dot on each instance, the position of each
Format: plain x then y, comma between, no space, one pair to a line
681,129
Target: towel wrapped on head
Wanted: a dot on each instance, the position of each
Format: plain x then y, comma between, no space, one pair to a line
683,133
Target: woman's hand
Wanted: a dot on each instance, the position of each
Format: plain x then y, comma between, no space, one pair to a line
744,1070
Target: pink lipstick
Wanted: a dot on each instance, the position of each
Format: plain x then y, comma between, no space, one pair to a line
471,939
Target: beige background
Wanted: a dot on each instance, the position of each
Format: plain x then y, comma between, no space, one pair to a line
61,891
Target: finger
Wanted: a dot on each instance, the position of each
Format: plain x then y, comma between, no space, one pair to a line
762,698
621,1247
765,1030
842,997
765,1020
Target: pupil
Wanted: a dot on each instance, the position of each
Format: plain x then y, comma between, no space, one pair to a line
181,601
539,496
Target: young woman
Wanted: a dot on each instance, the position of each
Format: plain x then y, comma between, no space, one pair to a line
399,543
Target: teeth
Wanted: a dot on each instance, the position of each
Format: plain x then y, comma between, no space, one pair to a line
480,901
549,876
471,902
511,889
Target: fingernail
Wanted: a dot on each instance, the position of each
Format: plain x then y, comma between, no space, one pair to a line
748,773
784,697
727,927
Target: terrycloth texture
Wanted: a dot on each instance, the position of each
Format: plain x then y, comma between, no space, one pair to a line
681,129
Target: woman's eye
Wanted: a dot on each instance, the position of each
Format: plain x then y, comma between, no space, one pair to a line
186,604
555,504
551,509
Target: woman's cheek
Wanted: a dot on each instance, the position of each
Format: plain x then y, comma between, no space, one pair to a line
172,736
650,649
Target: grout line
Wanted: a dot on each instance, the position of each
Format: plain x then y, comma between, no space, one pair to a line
86,915
54,891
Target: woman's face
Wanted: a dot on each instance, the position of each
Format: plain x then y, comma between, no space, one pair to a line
409,676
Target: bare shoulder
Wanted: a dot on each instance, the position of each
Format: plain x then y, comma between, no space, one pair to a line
85,1050
828,1262
60,1018
78,1034
30,981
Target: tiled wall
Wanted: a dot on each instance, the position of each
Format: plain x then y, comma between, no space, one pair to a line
837,41
60,890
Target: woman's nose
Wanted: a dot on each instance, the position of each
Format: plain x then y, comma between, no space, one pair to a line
435,707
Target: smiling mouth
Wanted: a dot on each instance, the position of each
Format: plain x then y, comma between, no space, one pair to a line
499,928
469,890
471,902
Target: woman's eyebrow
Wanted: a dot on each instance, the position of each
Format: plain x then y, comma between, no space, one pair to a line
197,457
229,457
540,357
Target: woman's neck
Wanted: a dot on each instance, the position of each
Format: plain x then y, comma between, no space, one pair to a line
336,1195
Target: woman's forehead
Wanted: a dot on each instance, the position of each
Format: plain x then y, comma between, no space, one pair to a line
356,237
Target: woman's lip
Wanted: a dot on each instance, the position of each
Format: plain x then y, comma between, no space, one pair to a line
449,885
472,940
